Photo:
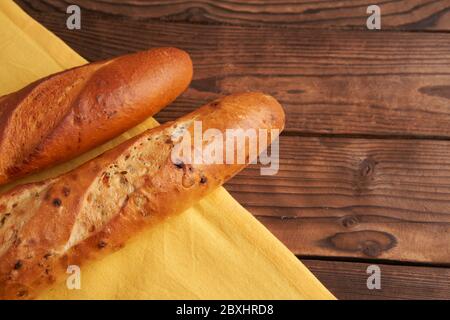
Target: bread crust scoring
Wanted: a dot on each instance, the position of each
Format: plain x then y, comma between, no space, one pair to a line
97,207
63,115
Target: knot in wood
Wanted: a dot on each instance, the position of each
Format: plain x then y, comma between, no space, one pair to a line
350,221
367,167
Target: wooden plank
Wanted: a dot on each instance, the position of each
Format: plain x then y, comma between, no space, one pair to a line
408,202
330,82
348,280
363,198
355,198
398,14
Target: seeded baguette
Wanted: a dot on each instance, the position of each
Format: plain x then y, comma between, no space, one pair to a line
96,208
66,114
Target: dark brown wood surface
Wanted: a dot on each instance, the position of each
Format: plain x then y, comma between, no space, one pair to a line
397,14
329,81
356,198
365,159
348,280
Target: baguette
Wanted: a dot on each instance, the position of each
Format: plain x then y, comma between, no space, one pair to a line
96,208
66,114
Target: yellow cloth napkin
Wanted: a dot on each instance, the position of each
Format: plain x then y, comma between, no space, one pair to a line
215,250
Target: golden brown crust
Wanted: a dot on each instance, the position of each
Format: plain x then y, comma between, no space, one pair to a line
66,114
97,207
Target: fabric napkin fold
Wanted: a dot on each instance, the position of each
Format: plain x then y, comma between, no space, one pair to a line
214,250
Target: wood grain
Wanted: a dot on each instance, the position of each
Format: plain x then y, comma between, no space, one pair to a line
402,207
356,198
364,170
348,280
330,82
396,14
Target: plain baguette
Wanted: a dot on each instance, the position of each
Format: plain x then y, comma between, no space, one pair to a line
96,208
66,114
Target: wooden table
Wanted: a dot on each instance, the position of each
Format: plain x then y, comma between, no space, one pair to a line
365,157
